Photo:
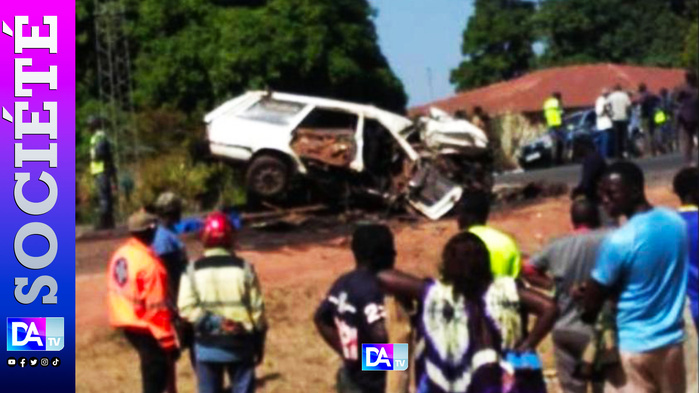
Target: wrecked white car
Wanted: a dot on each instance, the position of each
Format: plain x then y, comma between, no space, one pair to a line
342,150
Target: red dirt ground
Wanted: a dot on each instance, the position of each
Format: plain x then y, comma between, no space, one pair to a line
294,280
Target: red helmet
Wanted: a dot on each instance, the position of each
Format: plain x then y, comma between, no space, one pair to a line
218,231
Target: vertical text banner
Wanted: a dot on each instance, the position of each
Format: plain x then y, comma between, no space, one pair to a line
37,195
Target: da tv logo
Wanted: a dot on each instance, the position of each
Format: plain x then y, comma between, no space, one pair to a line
384,357
34,334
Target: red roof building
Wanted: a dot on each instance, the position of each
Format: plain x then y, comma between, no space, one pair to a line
579,85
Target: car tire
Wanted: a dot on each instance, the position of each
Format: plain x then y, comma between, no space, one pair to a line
267,176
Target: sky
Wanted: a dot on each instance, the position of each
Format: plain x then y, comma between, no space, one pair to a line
419,38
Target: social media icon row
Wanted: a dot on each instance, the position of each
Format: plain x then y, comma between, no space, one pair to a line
33,362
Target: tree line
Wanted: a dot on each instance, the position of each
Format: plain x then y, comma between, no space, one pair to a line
504,39
189,55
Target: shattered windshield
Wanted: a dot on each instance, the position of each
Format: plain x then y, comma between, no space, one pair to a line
273,111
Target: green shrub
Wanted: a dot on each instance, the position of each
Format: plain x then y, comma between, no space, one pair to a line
202,186
510,132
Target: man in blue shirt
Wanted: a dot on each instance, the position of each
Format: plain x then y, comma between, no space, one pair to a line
644,264
686,185
166,244
353,312
171,251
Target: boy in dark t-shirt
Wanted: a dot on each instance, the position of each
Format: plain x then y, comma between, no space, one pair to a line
353,311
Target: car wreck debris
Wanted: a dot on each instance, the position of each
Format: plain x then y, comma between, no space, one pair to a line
346,151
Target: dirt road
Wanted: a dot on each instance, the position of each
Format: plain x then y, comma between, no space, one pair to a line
294,276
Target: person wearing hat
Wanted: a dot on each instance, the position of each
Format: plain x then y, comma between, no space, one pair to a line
173,254
220,296
102,170
137,286
166,244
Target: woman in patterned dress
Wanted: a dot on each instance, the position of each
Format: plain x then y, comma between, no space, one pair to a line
468,321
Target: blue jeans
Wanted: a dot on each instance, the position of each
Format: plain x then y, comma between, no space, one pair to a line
558,135
601,141
210,377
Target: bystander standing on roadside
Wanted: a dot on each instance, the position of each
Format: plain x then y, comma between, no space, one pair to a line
648,103
473,211
569,261
470,321
172,252
687,116
481,120
686,186
593,167
137,286
220,296
663,121
103,171
645,263
620,105
603,124
553,114
353,312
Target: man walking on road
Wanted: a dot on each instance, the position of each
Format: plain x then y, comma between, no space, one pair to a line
220,296
620,105
553,113
645,263
103,171
570,260
137,286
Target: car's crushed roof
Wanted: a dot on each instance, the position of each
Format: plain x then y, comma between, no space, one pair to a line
395,123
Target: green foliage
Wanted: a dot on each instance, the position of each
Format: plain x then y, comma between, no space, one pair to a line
497,43
648,32
190,55
690,56
512,131
201,185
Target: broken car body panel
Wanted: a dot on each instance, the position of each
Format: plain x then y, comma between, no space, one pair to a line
312,130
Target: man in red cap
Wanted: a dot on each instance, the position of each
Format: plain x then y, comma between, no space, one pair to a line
221,296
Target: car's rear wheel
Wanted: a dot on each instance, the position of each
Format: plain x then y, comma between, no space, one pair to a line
267,176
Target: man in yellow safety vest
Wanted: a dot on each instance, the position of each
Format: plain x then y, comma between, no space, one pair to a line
102,170
553,113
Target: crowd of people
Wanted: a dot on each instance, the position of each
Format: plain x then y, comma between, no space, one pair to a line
667,120
615,315
612,297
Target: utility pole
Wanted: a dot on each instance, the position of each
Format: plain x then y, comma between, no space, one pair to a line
429,83
115,87
114,78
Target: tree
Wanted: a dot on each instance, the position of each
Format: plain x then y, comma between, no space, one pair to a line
497,43
190,55
647,32
690,55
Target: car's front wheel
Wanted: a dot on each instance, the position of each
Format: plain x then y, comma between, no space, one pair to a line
267,176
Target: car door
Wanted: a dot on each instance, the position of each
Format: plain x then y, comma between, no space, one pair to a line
327,136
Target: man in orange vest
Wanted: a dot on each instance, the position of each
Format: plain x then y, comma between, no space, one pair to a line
137,285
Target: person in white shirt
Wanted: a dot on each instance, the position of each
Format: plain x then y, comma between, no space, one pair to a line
604,123
620,105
